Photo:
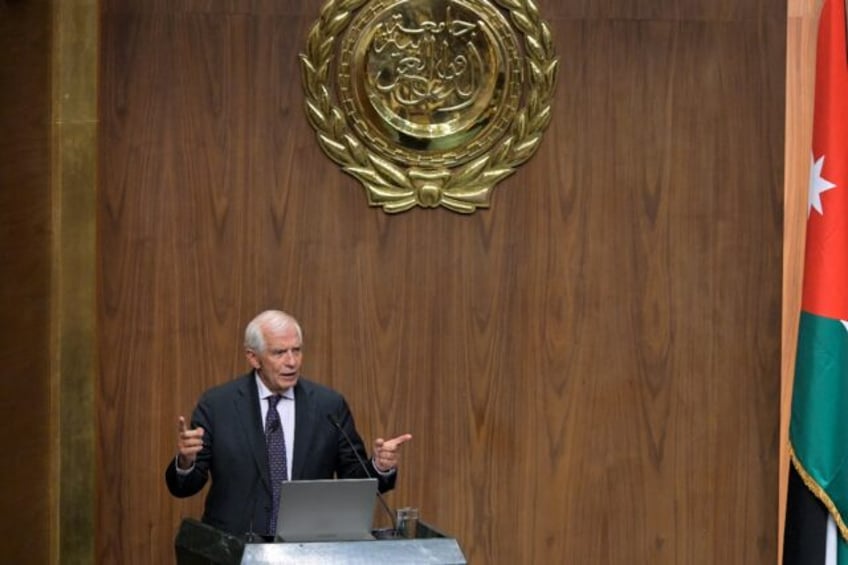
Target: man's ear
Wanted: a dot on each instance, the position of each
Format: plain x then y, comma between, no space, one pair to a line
252,358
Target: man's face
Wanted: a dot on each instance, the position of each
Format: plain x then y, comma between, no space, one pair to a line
279,364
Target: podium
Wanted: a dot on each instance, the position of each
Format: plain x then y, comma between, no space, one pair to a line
200,544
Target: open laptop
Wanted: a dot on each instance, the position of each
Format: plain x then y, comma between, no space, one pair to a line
326,510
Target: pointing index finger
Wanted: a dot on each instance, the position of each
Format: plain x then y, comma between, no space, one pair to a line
399,440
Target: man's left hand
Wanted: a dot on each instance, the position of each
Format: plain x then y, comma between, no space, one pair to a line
386,452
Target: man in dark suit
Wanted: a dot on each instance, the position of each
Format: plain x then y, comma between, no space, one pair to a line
229,426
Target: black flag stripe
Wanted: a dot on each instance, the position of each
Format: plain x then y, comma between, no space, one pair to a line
806,524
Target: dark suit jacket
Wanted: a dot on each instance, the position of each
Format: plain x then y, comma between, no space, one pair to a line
233,454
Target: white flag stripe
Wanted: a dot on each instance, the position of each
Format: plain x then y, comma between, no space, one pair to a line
830,544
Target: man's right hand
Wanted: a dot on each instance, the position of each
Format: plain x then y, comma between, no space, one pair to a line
189,444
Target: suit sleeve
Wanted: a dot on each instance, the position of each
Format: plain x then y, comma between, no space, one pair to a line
349,465
183,486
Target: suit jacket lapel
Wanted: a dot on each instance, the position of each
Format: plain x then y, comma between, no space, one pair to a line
304,427
249,417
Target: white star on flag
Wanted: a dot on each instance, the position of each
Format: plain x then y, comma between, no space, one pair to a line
817,185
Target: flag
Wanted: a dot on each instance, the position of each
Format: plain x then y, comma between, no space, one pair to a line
817,502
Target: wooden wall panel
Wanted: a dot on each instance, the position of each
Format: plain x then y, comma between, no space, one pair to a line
590,368
26,490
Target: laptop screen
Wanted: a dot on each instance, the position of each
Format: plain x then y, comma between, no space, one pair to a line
326,510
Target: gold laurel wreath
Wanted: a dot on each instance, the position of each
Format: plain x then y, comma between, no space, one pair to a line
395,189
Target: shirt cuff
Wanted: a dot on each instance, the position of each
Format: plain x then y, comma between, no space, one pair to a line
182,472
388,473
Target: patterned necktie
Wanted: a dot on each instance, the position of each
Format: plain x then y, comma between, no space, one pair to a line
275,443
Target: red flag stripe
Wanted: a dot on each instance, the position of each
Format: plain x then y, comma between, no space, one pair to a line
826,261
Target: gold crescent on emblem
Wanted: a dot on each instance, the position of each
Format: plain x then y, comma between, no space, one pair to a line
429,102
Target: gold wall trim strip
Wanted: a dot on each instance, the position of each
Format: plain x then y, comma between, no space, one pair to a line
73,311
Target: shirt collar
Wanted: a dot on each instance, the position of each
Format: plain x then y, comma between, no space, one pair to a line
265,392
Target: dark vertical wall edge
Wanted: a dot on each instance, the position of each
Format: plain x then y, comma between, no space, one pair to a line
26,492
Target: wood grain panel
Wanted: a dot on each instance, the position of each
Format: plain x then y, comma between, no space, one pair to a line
590,368
25,219
665,10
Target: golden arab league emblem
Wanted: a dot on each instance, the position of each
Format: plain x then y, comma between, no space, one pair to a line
429,102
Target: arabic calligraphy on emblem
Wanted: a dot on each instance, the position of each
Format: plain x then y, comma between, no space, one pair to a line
429,80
